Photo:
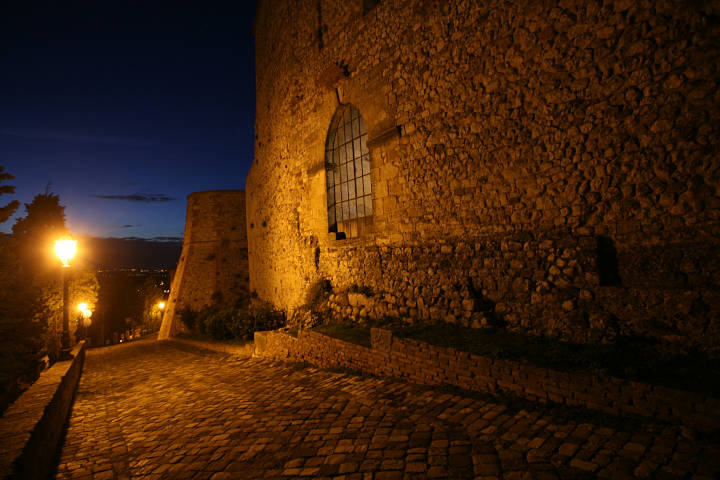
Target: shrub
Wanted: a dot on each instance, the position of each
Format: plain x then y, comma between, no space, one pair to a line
225,323
189,317
215,323
242,324
267,318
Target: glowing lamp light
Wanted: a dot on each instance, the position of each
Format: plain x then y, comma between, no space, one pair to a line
65,250
85,313
84,310
161,305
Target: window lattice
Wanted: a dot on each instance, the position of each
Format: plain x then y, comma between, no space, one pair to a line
347,162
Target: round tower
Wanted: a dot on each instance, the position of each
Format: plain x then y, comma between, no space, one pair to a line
213,265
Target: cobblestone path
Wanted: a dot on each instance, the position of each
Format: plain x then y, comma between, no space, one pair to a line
163,410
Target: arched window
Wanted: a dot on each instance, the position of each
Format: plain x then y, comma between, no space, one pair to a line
347,167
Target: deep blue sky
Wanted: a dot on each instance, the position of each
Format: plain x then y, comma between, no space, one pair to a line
128,100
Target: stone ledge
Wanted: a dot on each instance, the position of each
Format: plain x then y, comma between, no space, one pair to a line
428,364
237,350
32,426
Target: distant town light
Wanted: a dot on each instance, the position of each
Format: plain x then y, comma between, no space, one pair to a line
65,250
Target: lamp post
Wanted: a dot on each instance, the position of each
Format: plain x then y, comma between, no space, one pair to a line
65,250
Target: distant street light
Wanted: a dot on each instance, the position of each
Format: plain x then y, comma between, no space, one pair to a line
65,250
85,314
161,305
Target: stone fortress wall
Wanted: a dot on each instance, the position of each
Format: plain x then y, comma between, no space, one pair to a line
550,165
213,264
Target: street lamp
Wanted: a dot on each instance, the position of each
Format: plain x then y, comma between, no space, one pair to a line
161,305
65,250
85,314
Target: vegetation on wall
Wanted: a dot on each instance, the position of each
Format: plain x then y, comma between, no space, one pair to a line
315,310
232,322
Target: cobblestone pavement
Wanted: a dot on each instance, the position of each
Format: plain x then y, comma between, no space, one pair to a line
163,410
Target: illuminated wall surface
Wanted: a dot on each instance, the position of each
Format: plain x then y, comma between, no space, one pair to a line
214,259
552,165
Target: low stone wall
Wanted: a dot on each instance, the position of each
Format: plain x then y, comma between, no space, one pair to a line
427,364
32,426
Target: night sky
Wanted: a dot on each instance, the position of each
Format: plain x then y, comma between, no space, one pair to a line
126,108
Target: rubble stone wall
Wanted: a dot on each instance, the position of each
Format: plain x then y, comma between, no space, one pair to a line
548,165
214,259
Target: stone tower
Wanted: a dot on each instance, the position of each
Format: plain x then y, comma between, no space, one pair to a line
213,264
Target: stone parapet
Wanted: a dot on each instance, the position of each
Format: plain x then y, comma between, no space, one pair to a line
31,427
426,364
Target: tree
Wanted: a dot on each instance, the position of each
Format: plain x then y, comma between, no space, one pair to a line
20,332
10,208
152,294
35,235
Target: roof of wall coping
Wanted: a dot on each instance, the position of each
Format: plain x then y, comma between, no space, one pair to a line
207,192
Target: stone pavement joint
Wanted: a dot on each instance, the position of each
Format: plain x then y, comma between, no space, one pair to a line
149,410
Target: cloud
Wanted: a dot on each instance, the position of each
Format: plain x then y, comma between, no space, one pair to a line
138,197
168,239
130,226
151,239
76,138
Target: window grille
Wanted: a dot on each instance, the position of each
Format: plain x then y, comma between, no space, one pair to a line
347,167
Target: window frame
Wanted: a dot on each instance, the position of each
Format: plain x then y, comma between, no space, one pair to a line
348,183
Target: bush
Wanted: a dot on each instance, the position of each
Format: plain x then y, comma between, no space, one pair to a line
242,324
226,323
267,318
215,322
189,317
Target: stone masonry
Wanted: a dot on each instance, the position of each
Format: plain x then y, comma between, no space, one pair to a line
552,166
213,264
161,410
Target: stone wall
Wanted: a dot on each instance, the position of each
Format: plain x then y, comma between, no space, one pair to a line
213,265
31,429
426,364
547,165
